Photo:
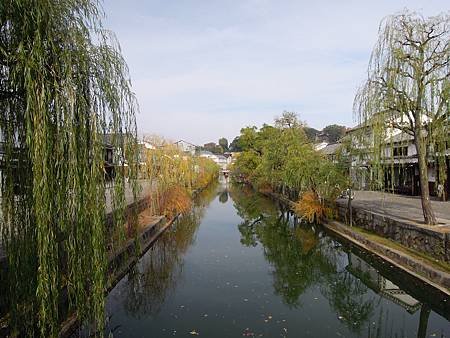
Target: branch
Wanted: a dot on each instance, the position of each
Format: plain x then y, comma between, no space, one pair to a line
404,128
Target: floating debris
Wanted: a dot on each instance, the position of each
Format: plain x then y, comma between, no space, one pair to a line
248,333
194,333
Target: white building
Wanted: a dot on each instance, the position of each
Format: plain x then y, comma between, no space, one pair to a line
220,160
186,147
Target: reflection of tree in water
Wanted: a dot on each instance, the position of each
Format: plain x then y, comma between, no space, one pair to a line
295,264
157,273
300,258
346,295
223,197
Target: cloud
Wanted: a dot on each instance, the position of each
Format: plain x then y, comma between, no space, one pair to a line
204,69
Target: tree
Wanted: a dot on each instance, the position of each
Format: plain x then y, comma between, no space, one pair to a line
211,146
280,158
218,150
63,86
235,145
311,133
408,90
288,120
223,142
334,132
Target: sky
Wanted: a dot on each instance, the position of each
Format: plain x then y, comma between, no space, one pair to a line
203,69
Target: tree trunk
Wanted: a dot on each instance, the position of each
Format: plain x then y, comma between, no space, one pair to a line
428,213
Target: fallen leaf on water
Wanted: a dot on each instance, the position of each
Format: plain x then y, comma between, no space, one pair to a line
194,333
247,333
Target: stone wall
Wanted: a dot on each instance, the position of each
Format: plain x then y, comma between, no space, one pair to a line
424,239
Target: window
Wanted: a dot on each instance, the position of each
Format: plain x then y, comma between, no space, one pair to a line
400,151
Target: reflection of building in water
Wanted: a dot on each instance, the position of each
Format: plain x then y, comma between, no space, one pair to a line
377,282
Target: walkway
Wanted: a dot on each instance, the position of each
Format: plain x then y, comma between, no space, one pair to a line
399,206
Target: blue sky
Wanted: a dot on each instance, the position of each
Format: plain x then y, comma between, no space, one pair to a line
203,69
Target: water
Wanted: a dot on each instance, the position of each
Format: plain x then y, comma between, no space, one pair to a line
236,267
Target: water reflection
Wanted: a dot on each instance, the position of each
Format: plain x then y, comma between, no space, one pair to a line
311,275
148,284
303,257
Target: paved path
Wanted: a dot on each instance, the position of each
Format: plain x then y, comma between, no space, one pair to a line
404,207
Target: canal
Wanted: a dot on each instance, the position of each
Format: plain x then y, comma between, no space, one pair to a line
239,266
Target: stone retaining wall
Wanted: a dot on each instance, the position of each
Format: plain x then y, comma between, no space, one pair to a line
423,239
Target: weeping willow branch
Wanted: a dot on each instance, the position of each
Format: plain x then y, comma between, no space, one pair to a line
408,90
63,85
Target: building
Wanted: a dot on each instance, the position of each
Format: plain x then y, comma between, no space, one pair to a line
187,147
332,151
399,162
220,160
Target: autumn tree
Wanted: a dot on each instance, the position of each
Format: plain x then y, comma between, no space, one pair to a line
407,91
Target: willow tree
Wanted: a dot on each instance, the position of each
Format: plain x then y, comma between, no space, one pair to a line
408,90
63,85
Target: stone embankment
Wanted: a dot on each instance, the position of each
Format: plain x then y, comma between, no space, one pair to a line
399,218
414,266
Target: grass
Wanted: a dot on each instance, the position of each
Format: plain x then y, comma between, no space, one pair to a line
435,263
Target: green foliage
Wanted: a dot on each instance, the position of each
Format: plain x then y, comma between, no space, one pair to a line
223,142
281,158
63,85
235,145
334,132
311,133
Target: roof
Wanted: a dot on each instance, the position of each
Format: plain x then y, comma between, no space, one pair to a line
330,149
186,142
400,138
